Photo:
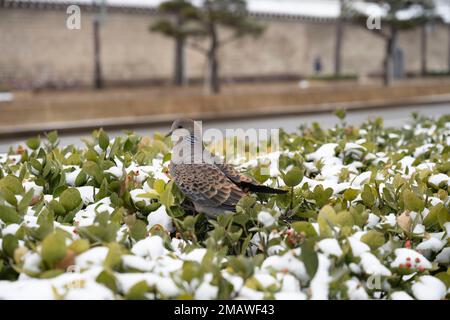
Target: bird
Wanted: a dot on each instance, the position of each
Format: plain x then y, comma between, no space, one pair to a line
213,187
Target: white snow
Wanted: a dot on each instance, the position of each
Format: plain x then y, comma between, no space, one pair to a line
161,218
356,290
330,247
286,263
10,229
325,151
266,219
426,247
71,286
358,247
206,291
401,295
372,221
429,288
439,178
151,247
28,185
371,265
137,262
404,256
31,262
419,228
444,256
140,195
72,176
92,257
321,281
87,194
195,255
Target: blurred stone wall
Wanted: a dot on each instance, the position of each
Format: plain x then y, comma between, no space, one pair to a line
37,50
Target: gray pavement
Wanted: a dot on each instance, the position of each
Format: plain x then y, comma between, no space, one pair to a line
395,116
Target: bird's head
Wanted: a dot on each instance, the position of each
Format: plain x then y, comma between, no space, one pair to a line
185,128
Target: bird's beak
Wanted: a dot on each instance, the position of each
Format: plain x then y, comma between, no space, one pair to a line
168,134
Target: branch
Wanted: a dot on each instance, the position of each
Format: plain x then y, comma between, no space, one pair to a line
197,47
228,40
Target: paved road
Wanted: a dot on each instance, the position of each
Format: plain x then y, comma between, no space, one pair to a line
392,117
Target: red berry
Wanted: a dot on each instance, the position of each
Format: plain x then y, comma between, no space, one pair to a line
408,259
417,260
421,269
401,265
408,265
408,244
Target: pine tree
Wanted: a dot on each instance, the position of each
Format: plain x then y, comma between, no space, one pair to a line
419,13
204,22
232,15
177,24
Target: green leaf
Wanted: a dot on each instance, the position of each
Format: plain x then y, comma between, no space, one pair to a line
34,143
293,177
443,216
74,160
107,279
158,185
138,230
359,214
326,218
10,244
310,258
103,192
92,169
444,277
36,165
9,215
305,227
103,140
373,239
340,113
57,207
367,196
12,183
137,291
79,246
351,194
52,136
320,195
167,197
45,222
113,258
25,202
70,199
191,270
344,218
81,179
412,202
53,248
9,197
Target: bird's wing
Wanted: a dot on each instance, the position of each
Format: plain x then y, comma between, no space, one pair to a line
244,182
234,175
206,185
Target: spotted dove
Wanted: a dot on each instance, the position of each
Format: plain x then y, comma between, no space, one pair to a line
213,187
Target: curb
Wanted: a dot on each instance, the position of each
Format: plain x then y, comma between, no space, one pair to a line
81,126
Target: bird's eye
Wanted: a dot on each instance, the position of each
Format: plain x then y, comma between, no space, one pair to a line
179,127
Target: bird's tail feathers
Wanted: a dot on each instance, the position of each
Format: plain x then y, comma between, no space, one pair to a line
264,189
